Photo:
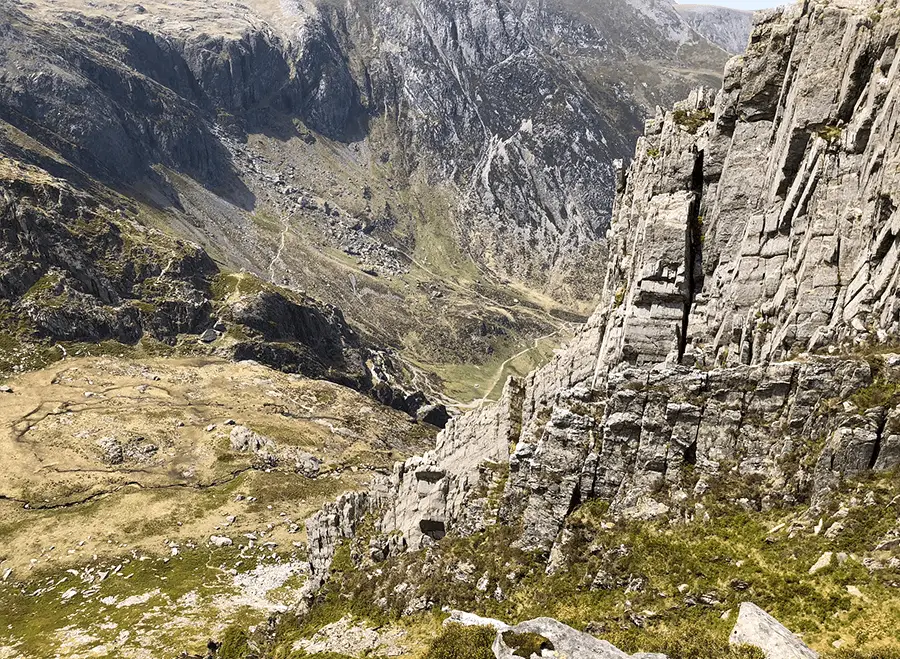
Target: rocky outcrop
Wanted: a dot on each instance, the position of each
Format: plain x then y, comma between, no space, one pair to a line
781,254
757,628
271,455
80,267
336,522
432,492
82,270
732,276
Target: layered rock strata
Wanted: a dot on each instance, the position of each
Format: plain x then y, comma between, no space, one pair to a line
514,112
752,276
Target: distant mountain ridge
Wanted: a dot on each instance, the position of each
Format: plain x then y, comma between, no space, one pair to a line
404,161
726,27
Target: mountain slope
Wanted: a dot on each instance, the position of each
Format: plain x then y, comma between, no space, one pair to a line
725,27
742,364
389,158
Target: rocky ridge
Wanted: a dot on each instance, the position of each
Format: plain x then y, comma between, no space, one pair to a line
730,276
368,103
81,268
725,27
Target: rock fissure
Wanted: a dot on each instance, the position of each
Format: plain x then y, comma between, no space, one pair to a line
693,253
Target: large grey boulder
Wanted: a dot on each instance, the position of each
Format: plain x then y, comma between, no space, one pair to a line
757,628
566,641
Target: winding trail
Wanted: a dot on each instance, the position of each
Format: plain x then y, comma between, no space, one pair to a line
223,480
285,224
499,378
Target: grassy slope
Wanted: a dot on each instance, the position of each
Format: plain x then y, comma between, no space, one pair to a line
673,588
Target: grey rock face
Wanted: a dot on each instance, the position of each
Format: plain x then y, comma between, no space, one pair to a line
757,628
432,491
77,268
754,224
112,450
301,335
515,111
786,253
727,28
326,529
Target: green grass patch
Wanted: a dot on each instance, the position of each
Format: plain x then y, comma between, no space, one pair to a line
462,642
692,120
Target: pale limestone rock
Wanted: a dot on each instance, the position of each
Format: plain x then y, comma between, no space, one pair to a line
823,562
757,628
754,226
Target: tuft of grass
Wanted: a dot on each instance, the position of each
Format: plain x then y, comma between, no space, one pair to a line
228,284
880,393
691,121
235,644
524,645
829,133
461,642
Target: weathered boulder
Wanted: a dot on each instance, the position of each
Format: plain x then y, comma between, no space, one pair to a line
247,441
220,541
567,642
561,640
757,628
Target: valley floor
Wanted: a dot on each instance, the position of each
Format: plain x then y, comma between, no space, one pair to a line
132,527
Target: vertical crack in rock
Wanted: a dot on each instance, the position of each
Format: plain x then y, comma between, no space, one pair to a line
690,453
879,434
693,254
575,501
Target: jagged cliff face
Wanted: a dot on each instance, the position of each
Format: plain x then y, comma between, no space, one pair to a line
509,116
753,235
770,230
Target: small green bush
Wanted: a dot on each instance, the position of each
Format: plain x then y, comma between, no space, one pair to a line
830,134
878,394
524,645
461,642
692,121
235,644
